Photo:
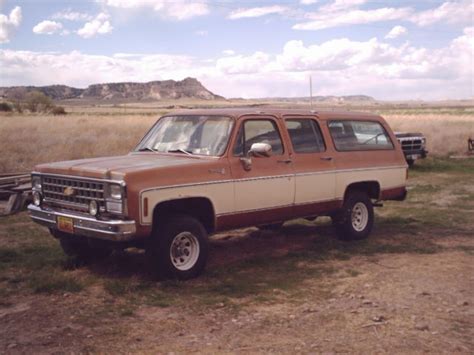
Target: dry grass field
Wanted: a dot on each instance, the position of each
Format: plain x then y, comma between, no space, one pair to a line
446,134
100,130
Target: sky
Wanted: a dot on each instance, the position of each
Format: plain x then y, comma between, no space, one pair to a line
391,50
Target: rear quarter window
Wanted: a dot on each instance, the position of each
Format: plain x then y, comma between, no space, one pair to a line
305,135
359,135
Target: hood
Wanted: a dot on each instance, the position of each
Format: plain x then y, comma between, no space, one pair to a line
117,167
407,135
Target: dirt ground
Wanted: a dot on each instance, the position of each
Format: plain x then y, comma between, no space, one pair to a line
408,289
397,303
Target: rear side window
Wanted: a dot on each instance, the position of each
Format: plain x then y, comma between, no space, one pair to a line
359,135
258,131
305,136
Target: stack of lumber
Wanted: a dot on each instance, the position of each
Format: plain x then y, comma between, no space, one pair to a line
15,192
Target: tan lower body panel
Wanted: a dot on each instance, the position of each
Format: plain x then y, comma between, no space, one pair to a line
263,200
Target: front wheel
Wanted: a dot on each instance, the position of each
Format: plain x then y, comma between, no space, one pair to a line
356,218
178,248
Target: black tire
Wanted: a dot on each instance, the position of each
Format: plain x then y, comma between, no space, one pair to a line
410,162
271,226
359,227
184,237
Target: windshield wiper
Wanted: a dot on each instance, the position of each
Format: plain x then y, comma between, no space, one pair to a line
187,152
146,149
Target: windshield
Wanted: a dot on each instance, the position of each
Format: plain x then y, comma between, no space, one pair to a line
200,135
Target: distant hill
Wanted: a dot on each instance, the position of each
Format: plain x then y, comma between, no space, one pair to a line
329,99
188,88
153,90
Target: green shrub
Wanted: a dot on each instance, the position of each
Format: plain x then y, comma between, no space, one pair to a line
36,101
5,107
58,110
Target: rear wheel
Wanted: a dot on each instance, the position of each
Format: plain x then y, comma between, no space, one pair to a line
356,218
410,162
178,248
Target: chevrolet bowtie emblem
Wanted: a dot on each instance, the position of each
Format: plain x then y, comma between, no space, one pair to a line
69,191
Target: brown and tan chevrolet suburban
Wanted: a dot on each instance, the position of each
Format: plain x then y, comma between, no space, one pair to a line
198,172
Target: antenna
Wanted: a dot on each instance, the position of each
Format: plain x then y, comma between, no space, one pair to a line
310,92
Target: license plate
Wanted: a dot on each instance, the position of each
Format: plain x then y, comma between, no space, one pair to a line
413,156
65,224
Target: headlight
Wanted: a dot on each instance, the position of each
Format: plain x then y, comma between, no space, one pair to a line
93,208
37,198
115,192
36,182
116,198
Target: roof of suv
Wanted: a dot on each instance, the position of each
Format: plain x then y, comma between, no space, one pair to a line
238,112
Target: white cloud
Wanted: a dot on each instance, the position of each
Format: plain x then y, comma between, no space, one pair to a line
450,12
228,52
177,9
308,2
321,20
184,11
8,24
338,5
99,25
243,64
70,15
79,69
201,33
348,12
396,31
338,67
256,12
47,27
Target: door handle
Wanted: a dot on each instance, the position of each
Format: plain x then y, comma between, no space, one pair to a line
326,158
286,161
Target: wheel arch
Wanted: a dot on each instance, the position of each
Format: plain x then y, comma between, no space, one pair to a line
372,187
200,208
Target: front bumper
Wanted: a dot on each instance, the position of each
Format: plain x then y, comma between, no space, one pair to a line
112,230
415,154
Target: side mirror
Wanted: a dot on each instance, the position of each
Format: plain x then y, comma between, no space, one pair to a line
256,150
260,150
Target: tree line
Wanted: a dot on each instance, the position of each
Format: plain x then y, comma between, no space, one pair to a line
33,101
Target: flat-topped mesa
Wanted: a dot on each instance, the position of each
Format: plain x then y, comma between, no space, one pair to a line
154,90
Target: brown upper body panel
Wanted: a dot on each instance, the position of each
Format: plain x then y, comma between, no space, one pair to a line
117,167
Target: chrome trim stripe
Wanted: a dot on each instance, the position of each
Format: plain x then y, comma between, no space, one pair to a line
187,185
334,171
373,168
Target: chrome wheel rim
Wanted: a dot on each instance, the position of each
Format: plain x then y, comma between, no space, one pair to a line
359,216
184,251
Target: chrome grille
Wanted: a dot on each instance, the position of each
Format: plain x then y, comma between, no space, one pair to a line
412,144
84,192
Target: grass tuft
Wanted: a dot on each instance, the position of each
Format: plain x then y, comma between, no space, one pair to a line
54,282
